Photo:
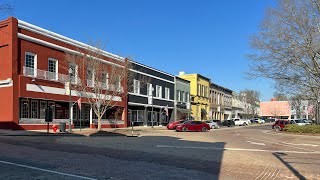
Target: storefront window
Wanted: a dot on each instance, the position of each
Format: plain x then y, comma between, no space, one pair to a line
34,109
43,106
24,108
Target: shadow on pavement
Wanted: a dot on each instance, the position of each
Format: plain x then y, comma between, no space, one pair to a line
201,157
291,168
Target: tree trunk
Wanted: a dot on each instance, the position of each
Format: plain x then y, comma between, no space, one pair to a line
99,123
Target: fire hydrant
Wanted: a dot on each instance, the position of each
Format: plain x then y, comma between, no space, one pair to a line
54,127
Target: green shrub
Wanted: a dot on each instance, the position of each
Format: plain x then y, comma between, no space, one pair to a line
311,129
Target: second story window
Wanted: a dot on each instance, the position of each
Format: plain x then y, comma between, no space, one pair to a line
149,89
167,93
187,97
52,69
105,80
30,64
90,77
178,95
136,86
73,75
159,91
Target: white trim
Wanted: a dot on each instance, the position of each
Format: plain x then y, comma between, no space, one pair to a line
6,83
151,68
61,91
147,105
142,95
58,37
56,61
172,82
60,48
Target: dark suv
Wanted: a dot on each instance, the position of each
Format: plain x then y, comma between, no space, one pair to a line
229,123
280,124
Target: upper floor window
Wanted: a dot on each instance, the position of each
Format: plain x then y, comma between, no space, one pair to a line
159,91
73,74
30,64
105,80
90,78
199,89
136,86
53,69
187,97
167,93
149,89
178,95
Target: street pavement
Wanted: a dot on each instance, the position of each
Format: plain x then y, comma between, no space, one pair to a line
251,152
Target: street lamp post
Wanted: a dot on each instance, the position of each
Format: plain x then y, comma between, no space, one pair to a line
152,116
70,103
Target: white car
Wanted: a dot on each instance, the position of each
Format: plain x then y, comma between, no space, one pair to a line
298,122
240,122
212,124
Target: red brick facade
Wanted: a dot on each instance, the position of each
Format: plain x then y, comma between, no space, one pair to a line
18,38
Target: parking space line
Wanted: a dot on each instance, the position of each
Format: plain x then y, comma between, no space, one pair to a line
46,170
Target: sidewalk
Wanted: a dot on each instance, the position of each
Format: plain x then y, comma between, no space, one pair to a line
137,131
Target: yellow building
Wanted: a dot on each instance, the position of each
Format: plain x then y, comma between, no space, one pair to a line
199,91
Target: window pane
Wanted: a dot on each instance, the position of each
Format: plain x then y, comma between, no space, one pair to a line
24,108
43,106
34,109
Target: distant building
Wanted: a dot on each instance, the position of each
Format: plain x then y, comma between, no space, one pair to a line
182,99
299,110
199,90
220,102
275,109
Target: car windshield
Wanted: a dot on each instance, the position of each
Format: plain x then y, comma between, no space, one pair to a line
187,122
299,121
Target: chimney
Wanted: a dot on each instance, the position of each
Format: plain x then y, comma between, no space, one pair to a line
181,73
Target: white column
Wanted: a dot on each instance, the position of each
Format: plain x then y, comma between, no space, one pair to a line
71,114
91,117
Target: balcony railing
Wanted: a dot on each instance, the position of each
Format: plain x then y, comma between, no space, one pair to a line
45,75
62,78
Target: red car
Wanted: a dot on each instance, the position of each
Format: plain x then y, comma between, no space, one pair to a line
193,126
174,124
280,124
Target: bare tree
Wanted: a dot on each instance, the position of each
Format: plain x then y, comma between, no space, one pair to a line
251,98
280,96
274,111
288,46
103,83
296,103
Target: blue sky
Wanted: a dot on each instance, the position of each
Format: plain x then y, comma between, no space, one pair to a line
206,37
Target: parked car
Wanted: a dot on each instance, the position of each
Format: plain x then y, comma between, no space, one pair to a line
229,123
280,124
308,121
193,126
271,120
240,122
298,122
174,124
213,124
218,122
259,121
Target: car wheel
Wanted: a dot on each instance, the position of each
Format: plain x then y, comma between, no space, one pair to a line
184,129
244,124
204,129
277,129
213,127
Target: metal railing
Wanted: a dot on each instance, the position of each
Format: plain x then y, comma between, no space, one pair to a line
62,78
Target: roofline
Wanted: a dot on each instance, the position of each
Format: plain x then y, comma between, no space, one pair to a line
177,77
135,62
216,85
58,37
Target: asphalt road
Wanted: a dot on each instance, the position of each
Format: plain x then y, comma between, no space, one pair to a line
229,153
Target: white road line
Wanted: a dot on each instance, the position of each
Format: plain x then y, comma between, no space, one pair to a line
275,177
313,145
46,170
262,172
236,149
260,144
281,144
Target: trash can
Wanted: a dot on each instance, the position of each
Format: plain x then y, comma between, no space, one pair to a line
62,127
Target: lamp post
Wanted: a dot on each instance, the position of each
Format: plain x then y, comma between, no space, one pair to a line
70,103
152,116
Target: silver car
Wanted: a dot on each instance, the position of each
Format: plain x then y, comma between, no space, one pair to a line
212,124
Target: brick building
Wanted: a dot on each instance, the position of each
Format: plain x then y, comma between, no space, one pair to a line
33,73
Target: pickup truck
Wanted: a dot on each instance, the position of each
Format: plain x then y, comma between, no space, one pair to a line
240,122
